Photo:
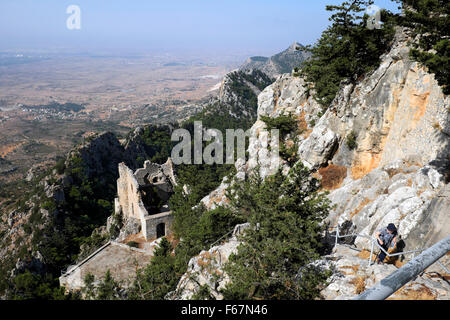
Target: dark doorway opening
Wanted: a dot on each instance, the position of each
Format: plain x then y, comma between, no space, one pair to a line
160,230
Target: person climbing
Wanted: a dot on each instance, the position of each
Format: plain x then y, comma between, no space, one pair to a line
386,237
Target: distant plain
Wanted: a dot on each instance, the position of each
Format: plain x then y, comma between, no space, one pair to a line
117,93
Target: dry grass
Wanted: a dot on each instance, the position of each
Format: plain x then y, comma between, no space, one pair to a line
445,277
437,126
399,263
353,268
394,260
406,293
392,172
174,241
206,255
204,259
420,191
138,238
301,122
201,262
332,176
365,254
359,283
141,241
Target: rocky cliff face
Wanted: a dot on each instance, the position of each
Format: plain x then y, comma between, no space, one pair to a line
382,149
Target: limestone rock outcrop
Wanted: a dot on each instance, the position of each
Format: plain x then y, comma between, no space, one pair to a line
398,168
318,148
402,159
206,269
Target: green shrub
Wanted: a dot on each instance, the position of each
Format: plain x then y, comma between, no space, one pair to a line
203,293
285,123
89,288
351,140
289,153
27,228
60,166
108,289
133,244
49,205
31,286
159,277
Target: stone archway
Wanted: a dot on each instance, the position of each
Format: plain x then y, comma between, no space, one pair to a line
160,230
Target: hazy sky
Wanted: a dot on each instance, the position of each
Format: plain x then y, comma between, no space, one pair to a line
258,26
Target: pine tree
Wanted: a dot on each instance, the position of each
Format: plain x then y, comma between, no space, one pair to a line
108,289
196,226
89,287
428,21
347,49
159,277
284,236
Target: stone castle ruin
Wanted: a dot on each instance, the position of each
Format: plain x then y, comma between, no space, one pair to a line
142,203
142,199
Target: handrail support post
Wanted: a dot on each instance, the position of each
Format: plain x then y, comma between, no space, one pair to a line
337,236
371,252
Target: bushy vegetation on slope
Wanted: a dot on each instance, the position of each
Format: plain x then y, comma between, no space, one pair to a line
348,49
273,259
283,238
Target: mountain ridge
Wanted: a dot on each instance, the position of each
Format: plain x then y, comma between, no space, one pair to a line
282,62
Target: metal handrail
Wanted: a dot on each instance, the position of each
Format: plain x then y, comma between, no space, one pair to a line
406,273
374,242
71,268
221,238
443,267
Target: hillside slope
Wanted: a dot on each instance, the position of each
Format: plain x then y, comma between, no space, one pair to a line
57,211
382,149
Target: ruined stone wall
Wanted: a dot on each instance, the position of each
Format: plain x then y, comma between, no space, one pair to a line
151,222
128,194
